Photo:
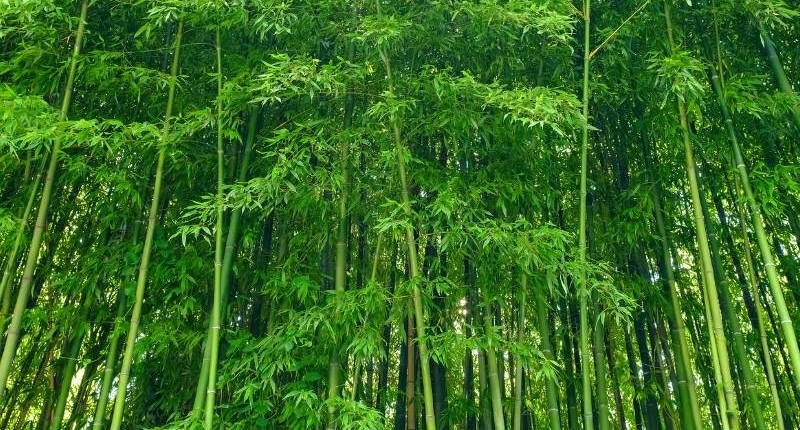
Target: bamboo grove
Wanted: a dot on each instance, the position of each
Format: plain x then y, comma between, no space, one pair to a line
450,214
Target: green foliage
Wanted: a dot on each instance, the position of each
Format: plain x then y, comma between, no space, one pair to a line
681,74
484,96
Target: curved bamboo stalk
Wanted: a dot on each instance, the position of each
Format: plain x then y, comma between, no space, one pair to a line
761,236
11,259
111,356
766,355
12,338
718,339
413,265
144,265
690,411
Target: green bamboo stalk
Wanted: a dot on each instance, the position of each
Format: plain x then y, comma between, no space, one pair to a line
111,357
14,329
721,399
611,360
413,265
716,83
762,335
430,418
718,339
547,350
690,410
492,375
35,382
777,69
570,364
70,362
484,402
733,323
236,216
227,266
709,281
141,282
761,236
373,276
340,278
517,423
11,260
216,307
357,369
201,390
583,290
600,371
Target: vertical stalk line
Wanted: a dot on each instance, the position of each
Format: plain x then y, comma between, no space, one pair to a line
765,352
340,276
133,330
686,386
358,367
722,403
12,338
766,254
709,281
583,290
23,221
111,355
227,266
236,216
600,372
492,370
547,350
216,307
413,265
761,236
71,360
747,386
777,68
517,424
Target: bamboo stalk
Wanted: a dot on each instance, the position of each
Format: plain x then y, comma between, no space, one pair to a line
517,423
761,237
413,265
216,308
583,290
111,356
762,335
690,409
11,259
15,327
718,339
340,280
141,281
547,349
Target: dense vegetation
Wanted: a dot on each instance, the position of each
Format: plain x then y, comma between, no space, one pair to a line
451,214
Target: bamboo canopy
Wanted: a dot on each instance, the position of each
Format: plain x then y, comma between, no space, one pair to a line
451,214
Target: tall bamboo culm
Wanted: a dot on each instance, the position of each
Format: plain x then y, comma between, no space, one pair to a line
15,327
144,264
413,264
583,290
718,339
